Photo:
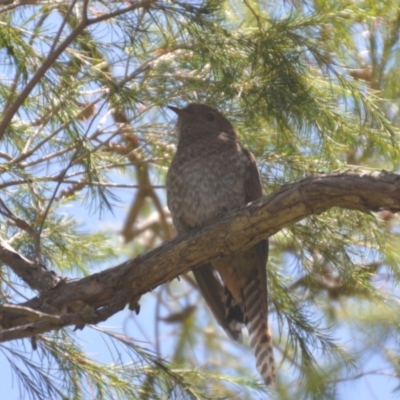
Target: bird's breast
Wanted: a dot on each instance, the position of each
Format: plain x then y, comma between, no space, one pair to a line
201,191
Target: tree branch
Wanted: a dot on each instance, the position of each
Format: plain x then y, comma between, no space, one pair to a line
57,51
34,274
102,292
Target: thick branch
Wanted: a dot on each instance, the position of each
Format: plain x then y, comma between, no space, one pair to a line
236,232
35,275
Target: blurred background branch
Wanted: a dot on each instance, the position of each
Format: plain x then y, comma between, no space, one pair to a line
311,86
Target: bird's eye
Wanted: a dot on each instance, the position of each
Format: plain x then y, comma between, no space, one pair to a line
210,116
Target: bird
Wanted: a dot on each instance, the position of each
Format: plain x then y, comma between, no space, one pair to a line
212,174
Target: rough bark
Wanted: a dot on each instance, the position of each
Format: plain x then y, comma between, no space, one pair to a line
98,296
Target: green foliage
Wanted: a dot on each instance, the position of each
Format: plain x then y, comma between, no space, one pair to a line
312,87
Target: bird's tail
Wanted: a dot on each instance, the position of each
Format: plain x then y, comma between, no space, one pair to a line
234,315
221,303
256,321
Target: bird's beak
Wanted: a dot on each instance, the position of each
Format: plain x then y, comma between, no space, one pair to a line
176,110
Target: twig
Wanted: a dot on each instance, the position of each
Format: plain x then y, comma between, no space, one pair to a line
234,233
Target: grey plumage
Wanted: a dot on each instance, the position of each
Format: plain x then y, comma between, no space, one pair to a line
211,175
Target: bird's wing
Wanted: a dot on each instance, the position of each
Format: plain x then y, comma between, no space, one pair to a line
212,290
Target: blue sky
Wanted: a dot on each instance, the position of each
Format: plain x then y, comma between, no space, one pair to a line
370,387
375,386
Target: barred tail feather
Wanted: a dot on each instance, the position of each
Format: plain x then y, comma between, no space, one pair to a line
255,319
234,315
220,302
